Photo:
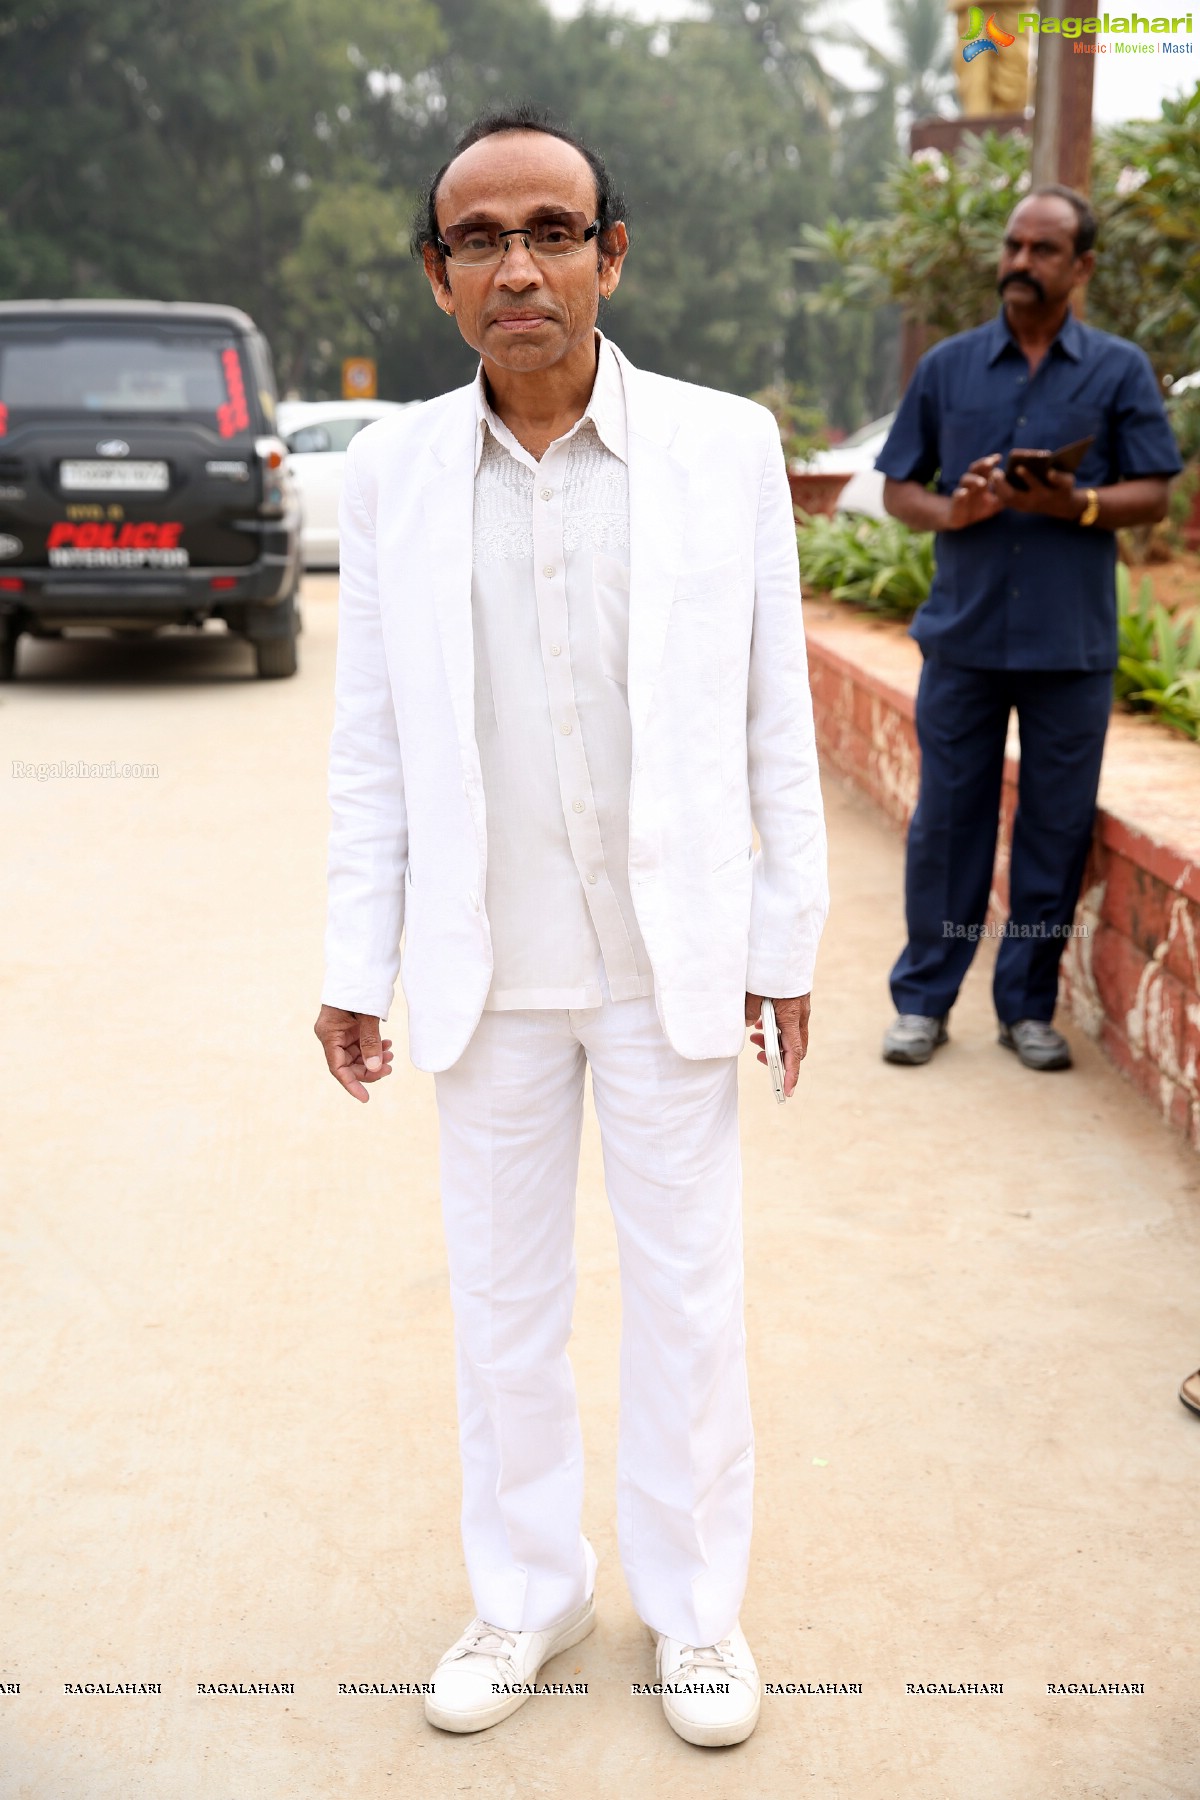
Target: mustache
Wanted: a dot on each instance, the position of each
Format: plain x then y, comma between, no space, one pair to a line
1029,280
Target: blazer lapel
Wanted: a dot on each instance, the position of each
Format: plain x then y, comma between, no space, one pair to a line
658,485
447,504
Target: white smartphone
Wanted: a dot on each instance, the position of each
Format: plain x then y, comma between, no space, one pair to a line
771,1046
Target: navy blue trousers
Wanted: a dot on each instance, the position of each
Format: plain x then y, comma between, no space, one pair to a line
962,720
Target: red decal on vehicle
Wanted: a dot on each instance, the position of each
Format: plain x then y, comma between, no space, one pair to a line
148,534
3,419
234,416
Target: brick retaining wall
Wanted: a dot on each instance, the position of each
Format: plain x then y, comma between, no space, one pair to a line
1132,982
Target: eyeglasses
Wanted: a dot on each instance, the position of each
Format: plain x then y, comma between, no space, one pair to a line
558,234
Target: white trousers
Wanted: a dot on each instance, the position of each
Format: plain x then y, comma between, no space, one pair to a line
510,1119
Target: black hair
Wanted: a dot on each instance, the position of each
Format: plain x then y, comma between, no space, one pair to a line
610,202
1085,218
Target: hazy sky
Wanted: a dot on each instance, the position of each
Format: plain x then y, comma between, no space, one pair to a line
1126,87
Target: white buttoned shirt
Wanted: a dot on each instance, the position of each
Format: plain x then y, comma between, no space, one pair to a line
550,618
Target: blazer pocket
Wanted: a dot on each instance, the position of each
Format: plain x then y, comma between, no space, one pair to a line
610,591
736,861
732,573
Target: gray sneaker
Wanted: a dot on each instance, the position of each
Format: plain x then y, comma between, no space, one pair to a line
913,1038
1037,1044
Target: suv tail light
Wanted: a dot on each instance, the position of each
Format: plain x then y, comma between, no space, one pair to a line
272,458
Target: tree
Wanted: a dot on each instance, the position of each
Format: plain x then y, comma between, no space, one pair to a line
785,42
268,153
1147,282
170,152
350,284
704,133
921,77
935,246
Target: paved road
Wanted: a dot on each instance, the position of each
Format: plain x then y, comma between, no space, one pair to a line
225,1374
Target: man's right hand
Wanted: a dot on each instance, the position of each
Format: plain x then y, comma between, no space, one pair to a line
353,1048
973,500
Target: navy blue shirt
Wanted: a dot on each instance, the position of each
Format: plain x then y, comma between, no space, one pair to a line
1021,590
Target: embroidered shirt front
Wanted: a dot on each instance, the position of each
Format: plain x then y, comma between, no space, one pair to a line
550,612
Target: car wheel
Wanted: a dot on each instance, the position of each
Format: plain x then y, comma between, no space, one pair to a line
8,655
276,657
275,650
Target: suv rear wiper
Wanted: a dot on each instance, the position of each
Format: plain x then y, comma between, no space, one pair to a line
173,418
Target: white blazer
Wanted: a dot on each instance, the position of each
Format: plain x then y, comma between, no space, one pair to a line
720,713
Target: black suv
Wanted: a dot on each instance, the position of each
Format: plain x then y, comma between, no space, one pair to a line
141,480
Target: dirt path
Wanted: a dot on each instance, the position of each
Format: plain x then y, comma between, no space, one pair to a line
226,1406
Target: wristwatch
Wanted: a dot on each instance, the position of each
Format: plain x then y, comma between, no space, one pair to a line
1091,511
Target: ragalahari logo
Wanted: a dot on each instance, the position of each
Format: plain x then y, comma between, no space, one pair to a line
992,37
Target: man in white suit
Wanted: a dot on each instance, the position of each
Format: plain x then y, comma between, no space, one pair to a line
571,672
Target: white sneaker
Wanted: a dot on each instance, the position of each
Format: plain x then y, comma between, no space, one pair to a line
489,1672
711,1694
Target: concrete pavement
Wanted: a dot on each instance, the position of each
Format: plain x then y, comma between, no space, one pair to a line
226,1424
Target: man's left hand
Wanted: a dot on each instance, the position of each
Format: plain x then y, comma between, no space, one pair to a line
1060,500
791,1016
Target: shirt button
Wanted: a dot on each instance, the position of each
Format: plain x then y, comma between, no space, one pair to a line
591,877
548,570
566,730
578,805
1020,421
556,649
547,493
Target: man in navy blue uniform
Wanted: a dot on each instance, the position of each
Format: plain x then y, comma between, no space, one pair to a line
1022,613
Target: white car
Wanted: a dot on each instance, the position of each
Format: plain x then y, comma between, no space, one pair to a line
317,434
855,456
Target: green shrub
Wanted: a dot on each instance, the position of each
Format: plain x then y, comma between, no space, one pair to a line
879,563
1158,657
886,568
